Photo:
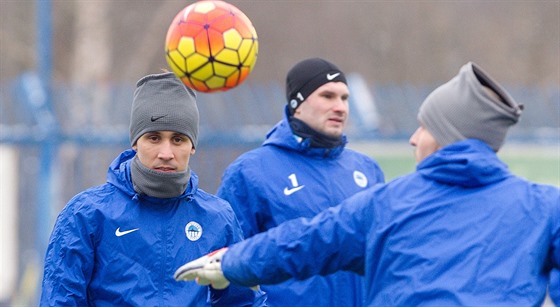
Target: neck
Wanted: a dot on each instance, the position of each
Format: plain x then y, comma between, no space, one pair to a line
158,184
317,139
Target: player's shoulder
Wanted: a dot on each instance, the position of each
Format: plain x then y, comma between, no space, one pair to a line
214,206
93,195
359,157
211,201
354,153
90,200
538,189
257,153
547,192
204,196
255,158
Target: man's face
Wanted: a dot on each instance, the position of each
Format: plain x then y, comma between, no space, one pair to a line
424,142
326,109
164,151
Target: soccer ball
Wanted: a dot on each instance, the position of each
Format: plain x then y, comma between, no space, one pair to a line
211,46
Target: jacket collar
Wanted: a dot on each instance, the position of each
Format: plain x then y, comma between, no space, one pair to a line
281,135
468,163
118,175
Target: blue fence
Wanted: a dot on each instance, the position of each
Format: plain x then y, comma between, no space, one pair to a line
91,119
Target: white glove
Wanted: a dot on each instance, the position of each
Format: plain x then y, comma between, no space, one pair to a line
206,270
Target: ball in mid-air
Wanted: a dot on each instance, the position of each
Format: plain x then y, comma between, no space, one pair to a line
211,46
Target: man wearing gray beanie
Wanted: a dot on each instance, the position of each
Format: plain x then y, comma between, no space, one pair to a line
304,160
162,102
118,243
462,230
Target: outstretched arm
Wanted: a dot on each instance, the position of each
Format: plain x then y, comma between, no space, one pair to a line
331,241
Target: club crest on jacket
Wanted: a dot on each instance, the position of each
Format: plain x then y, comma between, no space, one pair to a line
193,231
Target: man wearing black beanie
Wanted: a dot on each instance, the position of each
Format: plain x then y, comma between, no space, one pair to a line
117,244
301,169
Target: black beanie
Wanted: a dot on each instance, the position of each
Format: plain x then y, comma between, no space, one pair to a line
308,75
162,102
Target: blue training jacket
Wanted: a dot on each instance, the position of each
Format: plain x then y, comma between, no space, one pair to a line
554,287
113,247
286,179
461,230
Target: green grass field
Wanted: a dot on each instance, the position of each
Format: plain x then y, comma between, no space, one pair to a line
535,162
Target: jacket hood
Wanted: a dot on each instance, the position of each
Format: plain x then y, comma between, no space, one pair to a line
281,135
119,176
468,163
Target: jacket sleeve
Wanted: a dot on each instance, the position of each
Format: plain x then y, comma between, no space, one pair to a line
68,262
333,240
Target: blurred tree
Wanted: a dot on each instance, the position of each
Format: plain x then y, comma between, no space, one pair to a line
420,42
91,60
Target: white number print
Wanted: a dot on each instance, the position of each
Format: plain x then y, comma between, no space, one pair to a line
295,186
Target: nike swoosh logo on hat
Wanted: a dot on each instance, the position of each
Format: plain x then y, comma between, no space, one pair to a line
291,191
120,233
154,118
331,77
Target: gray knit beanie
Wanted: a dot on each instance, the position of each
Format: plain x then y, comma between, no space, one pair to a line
308,75
162,103
464,108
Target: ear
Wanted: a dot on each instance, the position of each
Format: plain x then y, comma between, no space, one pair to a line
297,112
193,150
135,147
